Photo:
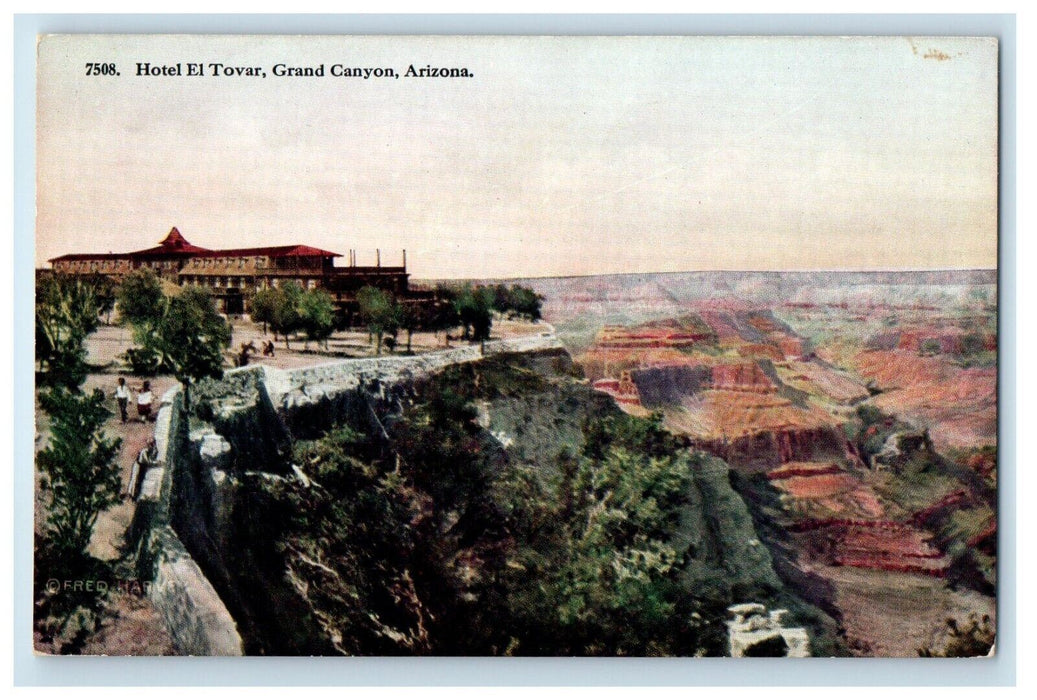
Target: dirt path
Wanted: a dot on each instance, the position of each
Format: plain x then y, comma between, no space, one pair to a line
108,540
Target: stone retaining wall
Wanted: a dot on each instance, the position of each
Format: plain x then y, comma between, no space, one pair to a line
287,388
193,613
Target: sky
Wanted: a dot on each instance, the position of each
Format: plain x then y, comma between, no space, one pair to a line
559,156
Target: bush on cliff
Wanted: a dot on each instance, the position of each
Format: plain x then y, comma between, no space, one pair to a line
596,568
392,539
79,477
594,571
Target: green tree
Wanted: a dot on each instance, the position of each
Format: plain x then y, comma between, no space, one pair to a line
66,313
523,302
441,315
474,306
317,311
78,472
516,301
377,311
78,469
191,336
105,289
411,317
140,299
142,304
286,318
501,298
262,305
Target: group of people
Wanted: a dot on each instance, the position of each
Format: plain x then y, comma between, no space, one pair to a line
247,349
123,394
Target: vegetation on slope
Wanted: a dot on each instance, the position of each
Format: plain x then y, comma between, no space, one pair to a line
428,536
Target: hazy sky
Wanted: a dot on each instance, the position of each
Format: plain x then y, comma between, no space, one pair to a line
560,156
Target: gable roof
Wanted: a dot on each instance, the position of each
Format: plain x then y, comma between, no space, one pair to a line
173,245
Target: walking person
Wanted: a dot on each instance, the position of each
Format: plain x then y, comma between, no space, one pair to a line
122,397
144,399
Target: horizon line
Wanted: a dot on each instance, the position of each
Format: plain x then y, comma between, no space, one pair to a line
694,272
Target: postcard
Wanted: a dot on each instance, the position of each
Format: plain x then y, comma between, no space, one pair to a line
516,346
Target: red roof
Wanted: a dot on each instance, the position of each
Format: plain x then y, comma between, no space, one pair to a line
89,256
175,239
281,251
173,245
